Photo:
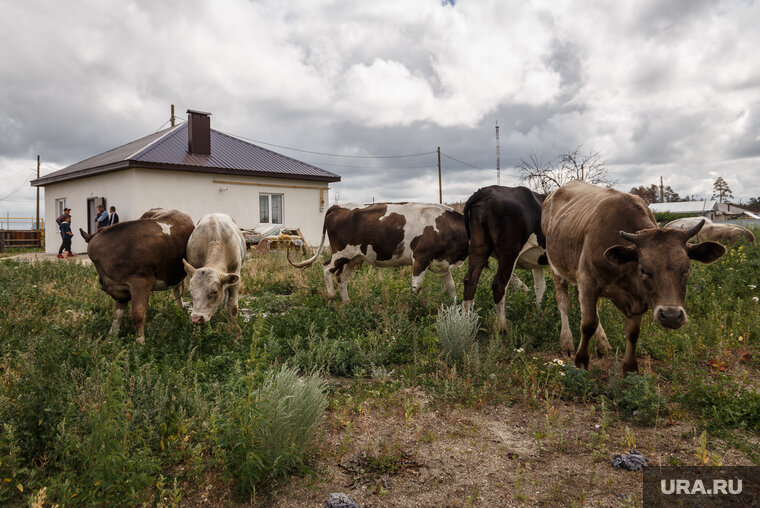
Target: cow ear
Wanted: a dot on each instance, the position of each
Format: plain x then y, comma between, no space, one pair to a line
620,254
188,268
705,252
230,279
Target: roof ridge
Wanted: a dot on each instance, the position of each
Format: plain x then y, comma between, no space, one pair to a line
145,149
241,140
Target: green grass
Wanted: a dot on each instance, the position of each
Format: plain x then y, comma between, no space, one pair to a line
94,420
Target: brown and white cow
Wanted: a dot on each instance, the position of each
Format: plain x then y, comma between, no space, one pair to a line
136,257
392,234
730,233
504,222
215,254
608,244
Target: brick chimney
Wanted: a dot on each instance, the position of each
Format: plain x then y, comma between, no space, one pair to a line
198,132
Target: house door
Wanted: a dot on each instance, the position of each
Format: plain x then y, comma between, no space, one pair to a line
92,211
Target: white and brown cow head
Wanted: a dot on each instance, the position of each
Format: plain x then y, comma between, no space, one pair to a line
661,258
207,289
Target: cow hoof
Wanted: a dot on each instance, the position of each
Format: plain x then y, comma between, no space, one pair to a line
581,362
141,341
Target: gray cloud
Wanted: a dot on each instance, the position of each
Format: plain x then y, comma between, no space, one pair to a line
656,87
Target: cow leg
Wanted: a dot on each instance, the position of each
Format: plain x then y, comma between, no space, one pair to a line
118,312
140,291
232,306
589,324
503,273
478,260
327,269
448,282
539,283
632,329
343,276
603,346
419,269
563,305
178,291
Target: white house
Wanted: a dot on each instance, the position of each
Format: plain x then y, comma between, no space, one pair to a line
191,168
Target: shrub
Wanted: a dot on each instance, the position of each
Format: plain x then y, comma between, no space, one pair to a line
456,331
638,398
722,403
266,431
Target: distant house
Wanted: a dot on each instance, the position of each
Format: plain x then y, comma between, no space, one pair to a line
197,170
714,210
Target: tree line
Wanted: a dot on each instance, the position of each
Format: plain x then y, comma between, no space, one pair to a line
575,164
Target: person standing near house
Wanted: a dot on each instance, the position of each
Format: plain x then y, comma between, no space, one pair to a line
102,217
66,211
113,217
66,235
61,221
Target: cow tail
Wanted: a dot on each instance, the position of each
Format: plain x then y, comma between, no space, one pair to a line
311,260
468,212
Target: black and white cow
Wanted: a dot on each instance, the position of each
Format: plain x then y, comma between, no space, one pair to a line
392,234
504,222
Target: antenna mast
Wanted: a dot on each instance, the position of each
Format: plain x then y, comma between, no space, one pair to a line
498,156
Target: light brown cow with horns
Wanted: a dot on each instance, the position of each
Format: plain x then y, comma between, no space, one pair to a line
608,244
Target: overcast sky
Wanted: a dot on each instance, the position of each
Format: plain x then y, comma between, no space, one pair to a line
659,88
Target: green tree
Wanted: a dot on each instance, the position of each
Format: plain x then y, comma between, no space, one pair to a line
651,194
721,190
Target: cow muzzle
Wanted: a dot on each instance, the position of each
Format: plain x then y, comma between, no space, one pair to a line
670,317
197,319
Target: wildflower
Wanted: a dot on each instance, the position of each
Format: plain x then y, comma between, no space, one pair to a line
751,286
561,373
741,338
520,350
756,299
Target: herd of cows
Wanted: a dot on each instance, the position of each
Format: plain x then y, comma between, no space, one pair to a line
605,242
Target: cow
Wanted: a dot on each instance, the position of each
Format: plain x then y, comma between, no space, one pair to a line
607,243
392,234
731,233
215,254
136,257
504,222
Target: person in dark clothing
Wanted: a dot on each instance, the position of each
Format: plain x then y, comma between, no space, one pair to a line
102,217
66,211
61,220
66,236
113,217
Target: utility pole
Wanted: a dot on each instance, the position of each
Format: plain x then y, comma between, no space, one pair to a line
172,119
440,189
662,192
38,195
498,156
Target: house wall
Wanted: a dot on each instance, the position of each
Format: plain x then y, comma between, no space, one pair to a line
134,191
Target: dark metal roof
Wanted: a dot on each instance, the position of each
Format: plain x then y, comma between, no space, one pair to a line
167,149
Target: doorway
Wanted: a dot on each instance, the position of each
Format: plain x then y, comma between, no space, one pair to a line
92,211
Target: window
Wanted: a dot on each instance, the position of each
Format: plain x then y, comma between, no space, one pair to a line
270,208
60,204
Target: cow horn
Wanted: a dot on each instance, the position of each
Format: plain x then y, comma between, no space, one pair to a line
631,237
693,231
87,236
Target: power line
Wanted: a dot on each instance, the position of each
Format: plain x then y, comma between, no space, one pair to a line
334,154
463,162
14,191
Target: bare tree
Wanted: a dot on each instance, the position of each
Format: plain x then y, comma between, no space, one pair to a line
572,165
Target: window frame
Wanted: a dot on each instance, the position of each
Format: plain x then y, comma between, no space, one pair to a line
269,210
